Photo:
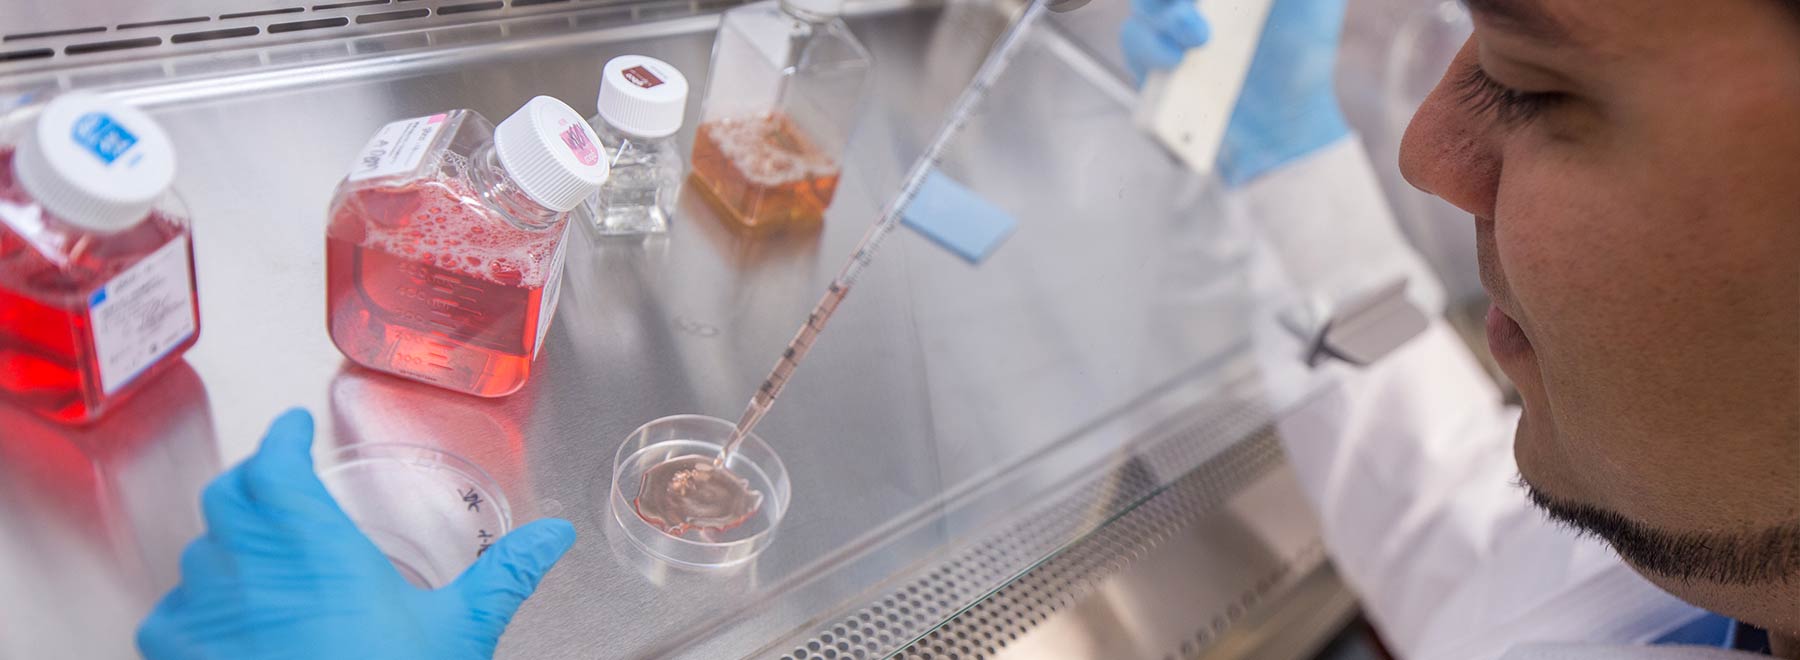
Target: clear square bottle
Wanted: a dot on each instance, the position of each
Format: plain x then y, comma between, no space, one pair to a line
786,83
641,104
97,287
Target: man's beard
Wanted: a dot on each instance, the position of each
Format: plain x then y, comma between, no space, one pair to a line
1739,558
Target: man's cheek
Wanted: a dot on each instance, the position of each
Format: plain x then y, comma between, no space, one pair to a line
1573,245
1530,244
1561,271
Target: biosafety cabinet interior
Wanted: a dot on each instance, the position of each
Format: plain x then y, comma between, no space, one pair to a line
975,450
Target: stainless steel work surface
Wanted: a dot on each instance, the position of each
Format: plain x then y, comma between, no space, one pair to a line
947,400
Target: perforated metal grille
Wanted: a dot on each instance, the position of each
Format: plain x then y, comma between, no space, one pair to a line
1213,627
985,629
1218,448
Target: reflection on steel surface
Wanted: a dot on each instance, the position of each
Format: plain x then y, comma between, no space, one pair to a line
93,520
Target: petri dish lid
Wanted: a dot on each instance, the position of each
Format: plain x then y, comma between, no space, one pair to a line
431,512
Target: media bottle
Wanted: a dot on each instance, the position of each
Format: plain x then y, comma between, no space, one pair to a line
786,80
97,291
444,251
641,103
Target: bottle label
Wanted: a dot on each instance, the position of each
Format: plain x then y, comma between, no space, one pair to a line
397,148
142,314
552,291
576,137
642,77
102,136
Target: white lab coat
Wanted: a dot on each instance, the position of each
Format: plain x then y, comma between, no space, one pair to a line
1410,466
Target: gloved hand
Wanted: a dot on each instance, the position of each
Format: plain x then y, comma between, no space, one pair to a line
283,573
1288,108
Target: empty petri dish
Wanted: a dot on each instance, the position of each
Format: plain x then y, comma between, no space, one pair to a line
698,437
431,512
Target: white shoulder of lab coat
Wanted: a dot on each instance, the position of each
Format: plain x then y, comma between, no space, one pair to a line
1409,462
1617,652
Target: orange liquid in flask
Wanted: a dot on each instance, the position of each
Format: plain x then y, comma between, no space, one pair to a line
763,173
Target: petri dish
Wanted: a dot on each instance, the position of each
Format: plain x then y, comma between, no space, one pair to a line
431,512
698,435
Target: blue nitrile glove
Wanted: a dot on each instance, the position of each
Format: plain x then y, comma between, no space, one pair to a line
1159,32
1288,108
283,573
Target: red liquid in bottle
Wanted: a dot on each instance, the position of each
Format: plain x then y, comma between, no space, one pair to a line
426,282
49,361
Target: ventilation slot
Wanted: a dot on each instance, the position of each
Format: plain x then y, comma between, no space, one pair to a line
383,17
210,35
470,7
53,33
465,21
172,21
119,44
342,5
265,12
16,55
314,24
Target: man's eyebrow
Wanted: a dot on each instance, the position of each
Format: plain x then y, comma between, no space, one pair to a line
1526,17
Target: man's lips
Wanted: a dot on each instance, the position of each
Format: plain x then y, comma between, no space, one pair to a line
1506,340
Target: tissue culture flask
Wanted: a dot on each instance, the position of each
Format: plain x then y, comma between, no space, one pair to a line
788,77
763,172
443,271
93,305
425,286
46,327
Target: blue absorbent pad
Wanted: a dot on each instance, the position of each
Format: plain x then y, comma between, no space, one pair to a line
957,219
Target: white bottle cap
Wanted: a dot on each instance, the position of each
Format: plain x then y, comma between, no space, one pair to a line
642,96
552,152
816,7
97,163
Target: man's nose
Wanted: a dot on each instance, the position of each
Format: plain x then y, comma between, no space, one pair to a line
1448,150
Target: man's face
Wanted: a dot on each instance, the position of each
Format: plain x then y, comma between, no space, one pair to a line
1633,167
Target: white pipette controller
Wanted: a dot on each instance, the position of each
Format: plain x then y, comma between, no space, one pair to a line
1187,109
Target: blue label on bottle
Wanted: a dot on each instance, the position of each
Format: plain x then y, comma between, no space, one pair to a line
102,136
